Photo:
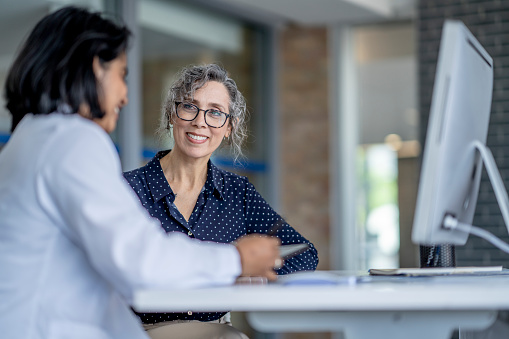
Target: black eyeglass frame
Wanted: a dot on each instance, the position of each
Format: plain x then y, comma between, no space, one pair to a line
228,115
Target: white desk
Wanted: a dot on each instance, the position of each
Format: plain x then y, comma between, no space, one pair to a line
399,308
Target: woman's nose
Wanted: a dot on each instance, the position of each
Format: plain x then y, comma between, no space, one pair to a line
200,119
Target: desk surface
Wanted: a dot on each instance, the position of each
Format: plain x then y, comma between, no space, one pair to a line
362,294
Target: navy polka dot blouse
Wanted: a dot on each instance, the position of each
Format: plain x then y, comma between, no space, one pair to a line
228,207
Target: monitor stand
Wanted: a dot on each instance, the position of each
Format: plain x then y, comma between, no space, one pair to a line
450,222
495,179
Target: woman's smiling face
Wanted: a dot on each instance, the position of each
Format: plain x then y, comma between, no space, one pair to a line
196,139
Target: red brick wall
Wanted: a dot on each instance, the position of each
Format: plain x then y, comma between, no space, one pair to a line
304,134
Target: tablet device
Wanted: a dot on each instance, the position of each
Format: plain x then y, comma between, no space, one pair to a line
288,251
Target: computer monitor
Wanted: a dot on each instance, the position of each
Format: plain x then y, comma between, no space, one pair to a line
456,136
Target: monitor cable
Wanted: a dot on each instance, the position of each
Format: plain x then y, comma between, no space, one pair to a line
451,223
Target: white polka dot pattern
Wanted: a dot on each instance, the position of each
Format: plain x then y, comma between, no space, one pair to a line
228,207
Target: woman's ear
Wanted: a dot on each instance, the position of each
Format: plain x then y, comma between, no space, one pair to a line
97,68
171,119
228,131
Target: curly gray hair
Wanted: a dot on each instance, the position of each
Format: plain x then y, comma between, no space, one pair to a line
191,79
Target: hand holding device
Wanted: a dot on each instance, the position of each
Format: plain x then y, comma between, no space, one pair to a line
258,254
286,251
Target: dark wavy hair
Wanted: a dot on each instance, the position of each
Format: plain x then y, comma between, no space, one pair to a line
53,70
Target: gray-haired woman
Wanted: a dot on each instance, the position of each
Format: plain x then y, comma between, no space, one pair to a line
189,194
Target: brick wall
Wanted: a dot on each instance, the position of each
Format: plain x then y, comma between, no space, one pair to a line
304,134
489,22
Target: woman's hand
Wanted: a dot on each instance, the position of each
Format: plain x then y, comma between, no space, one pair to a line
259,255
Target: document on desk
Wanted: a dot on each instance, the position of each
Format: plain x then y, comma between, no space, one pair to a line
431,271
317,278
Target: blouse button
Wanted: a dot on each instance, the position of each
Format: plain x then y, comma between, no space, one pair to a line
189,233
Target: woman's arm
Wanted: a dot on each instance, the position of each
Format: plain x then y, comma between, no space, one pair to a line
260,217
81,179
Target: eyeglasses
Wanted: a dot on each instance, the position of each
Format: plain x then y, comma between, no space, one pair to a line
213,117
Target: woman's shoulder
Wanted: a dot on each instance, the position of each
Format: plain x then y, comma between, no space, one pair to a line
228,177
70,132
151,168
135,177
134,173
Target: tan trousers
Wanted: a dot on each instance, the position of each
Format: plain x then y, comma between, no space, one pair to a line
194,330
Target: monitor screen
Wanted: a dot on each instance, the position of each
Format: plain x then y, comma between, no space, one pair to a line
459,119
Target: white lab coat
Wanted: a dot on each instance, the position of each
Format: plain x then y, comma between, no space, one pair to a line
75,241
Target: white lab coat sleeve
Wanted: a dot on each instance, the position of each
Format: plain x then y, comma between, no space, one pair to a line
82,178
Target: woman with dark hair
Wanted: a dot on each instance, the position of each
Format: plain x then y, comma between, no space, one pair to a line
74,241
189,194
